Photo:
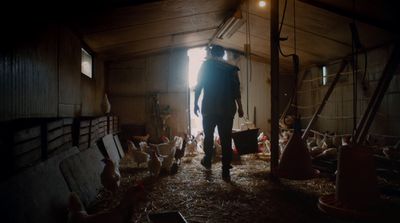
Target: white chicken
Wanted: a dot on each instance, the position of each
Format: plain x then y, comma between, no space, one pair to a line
145,147
154,164
167,151
345,140
200,141
191,147
138,155
318,139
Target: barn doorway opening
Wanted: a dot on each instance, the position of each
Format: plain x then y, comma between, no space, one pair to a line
196,58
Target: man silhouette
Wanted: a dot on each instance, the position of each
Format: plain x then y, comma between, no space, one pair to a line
220,84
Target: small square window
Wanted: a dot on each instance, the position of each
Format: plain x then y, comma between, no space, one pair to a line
324,79
86,64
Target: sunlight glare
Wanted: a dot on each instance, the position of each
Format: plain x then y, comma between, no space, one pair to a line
196,59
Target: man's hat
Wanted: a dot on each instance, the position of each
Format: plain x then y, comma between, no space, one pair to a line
217,51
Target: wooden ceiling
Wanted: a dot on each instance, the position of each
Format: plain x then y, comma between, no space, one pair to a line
322,27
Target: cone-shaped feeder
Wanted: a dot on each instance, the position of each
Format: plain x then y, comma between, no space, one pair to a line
295,162
357,194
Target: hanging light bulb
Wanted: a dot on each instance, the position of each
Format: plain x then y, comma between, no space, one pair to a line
262,3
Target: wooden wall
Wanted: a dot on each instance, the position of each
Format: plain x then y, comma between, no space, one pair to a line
40,76
130,84
337,115
259,93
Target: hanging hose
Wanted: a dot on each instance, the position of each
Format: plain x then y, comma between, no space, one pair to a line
295,60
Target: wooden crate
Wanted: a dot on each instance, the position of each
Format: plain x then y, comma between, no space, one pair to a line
82,135
26,147
102,126
59,136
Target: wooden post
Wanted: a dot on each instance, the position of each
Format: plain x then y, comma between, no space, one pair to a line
376,99
274,43
326,97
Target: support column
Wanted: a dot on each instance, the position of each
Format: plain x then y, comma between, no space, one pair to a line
274,43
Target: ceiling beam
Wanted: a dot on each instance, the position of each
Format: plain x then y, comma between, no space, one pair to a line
156,37
386,25
153,22
199,43
305,31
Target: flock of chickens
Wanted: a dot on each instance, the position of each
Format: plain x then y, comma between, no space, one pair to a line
157,157
165,156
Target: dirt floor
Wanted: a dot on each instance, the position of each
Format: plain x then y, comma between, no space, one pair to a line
202,196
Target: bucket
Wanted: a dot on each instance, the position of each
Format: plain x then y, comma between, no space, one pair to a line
246,141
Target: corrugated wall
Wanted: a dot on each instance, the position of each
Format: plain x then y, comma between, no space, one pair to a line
28,80
337,115
40,77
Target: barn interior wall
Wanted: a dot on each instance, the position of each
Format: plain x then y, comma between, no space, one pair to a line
131,84
41,76
337,115
259,100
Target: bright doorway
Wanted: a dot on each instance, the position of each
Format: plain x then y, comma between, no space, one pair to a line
196,58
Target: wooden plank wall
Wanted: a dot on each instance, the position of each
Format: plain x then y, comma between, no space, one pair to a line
130,83
41,76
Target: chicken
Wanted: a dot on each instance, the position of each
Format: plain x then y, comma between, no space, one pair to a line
191,147
217,150
330,153
315,151
263,143
328,140
164,139
138,155
318,139
145,147
392,152
345,140
199,140
120,214
167,151
110,176
154,164
180,150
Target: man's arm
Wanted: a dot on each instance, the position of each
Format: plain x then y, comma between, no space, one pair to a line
240,107
196,101
197,90
238,95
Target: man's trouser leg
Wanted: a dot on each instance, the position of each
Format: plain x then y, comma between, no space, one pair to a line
225,133
209,123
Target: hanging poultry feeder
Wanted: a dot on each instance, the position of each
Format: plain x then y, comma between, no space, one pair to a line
357,194
296,162
246,141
